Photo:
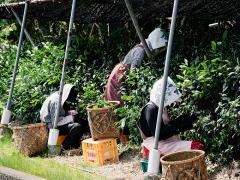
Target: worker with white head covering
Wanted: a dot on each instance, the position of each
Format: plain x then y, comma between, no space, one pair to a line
67,116
168,142
134,57
156,39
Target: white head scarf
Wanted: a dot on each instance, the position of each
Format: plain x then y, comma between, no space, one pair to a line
172,93
66,91
157,38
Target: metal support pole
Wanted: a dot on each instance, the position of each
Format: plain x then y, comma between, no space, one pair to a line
25,31
135,23
165,75
18,54
65,63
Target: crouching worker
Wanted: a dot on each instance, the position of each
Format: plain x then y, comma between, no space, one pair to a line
168,141
67,116
133,59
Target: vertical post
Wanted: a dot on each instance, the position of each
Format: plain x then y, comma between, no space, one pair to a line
165,75
135,23
155,162
65,63
6,114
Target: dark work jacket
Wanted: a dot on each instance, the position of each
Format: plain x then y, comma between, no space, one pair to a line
148,120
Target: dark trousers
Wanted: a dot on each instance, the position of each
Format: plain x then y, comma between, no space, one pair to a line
74,133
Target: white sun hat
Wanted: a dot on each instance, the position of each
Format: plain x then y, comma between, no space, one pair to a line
157,38
172,93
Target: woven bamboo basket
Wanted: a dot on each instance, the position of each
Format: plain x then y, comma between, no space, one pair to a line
30,139
101,121
184,165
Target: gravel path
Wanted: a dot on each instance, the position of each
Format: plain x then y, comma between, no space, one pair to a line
129,167
12,174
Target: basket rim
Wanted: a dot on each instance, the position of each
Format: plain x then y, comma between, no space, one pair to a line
28,126
201,155
117,103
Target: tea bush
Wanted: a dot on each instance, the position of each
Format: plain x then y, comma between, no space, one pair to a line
1,108
89,64
210,86
38,75
204,63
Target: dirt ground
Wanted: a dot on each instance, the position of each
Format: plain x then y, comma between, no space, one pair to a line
129,167
225,172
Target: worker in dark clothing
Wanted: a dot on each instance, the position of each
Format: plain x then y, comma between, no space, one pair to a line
168,142
67,116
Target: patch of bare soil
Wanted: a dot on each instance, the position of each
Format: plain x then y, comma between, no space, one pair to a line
229,171
129,166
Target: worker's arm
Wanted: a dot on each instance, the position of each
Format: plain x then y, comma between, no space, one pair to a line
138,54
134,57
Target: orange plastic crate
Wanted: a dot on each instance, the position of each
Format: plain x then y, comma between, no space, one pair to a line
100,152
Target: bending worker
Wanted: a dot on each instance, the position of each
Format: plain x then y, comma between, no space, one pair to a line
156,39
168,141
67,116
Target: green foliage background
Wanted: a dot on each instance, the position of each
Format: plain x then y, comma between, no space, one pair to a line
204,63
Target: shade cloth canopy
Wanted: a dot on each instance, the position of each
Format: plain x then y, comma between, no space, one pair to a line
92,11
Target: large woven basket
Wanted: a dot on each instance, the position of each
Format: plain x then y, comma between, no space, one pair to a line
184,165
30,139
101,121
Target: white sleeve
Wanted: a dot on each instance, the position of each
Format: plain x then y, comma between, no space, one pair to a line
65,120
62,119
